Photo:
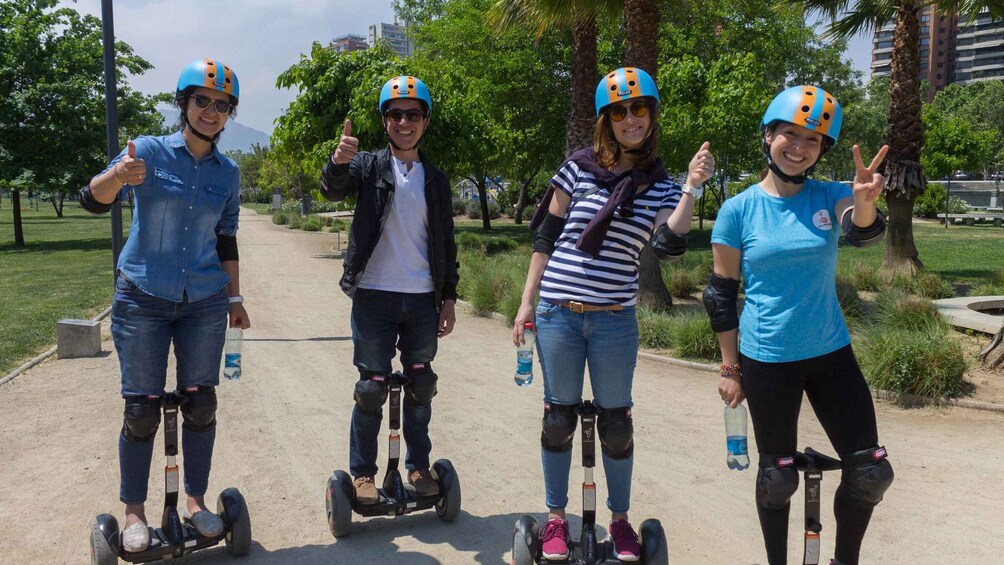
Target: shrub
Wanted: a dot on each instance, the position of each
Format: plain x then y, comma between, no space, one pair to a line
280,218
338,225
901,311
295,222
711,206
474,209
932,286
459,206
500,245
693,338
469,240
923,363
865,277
847,296
312,223
683,282
931,203
494,211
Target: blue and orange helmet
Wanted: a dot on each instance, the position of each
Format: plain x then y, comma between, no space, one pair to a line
407,87
624,84
808,106
209,73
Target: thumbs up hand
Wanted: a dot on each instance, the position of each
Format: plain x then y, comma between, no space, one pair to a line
130,170
702,166
348,146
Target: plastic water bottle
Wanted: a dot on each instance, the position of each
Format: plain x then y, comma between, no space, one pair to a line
735,434
232,354
524,357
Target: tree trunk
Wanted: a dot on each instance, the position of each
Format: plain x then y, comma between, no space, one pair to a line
582,118
486,222
521,199
905,136
992,355
15,200
57,203
641,50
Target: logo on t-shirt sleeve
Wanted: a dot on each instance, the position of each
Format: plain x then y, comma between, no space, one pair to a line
821,220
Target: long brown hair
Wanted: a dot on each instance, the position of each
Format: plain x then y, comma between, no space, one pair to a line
608,151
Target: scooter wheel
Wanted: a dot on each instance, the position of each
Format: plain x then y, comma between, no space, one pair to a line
104,540
525,541
654,548
448,506
232,506
338,501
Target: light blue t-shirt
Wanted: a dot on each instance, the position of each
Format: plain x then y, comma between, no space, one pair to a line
789,263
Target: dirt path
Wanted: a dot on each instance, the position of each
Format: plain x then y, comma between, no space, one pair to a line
284,428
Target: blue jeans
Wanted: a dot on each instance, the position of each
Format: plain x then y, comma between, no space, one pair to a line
608,342
143,328
381,322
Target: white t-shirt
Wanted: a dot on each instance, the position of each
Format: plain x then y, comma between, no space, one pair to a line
400,260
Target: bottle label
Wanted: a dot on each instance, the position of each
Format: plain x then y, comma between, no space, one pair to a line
736,445
524,366
233,360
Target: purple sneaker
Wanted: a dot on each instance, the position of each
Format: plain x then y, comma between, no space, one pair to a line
626,547
554,540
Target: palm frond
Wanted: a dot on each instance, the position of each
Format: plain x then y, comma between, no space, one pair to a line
545,15
972,8
847,19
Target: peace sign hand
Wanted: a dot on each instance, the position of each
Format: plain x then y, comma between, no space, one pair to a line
868,183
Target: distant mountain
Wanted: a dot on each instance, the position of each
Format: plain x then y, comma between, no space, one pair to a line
235,137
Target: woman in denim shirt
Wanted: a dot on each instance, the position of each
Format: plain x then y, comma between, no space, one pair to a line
178,282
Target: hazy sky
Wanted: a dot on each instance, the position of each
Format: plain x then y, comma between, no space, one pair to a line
257,38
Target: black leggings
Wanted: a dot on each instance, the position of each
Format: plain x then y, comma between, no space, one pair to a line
842,402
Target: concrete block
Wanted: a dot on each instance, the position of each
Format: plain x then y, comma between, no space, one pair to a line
78,338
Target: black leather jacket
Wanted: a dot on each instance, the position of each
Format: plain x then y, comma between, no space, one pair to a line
370,179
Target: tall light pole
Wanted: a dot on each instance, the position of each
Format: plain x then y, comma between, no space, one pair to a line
111,118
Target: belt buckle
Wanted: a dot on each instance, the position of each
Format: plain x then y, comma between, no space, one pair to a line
576,307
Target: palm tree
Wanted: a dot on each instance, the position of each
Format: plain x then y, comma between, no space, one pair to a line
580,15
905,135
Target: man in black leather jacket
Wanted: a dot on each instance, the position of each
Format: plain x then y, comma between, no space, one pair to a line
401,273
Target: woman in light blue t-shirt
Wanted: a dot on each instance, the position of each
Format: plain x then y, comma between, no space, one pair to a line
781,237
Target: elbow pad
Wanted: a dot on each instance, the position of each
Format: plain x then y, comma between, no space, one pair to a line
862,237
720,299
668,245
548,231
226,247
87,202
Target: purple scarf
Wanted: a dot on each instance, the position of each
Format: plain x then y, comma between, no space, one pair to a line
621,196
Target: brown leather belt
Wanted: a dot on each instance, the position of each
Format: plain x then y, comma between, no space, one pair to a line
579,307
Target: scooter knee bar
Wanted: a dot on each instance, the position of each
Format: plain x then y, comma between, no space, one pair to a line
558,427
199,408
141,418
422,387
776,481
371,392
616,431
866,476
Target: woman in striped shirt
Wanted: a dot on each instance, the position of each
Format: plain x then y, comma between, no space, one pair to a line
605,203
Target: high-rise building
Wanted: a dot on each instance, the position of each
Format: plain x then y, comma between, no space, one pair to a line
349,42
980,51
937,48
394,35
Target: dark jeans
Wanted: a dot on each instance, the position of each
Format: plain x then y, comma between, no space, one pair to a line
144,327
382,322
843,404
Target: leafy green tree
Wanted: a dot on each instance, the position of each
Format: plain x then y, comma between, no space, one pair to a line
905,134
952,144
980,105
52,83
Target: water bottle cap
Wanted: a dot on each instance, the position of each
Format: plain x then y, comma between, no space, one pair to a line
528,326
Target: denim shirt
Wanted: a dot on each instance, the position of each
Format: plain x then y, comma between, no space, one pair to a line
180,208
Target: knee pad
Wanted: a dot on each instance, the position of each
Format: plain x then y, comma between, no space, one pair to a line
371,392
422,387
616,431
776,481
141,418
866,476
558,427
199,408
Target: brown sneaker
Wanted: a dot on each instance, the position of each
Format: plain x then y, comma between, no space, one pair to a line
366,491
423,482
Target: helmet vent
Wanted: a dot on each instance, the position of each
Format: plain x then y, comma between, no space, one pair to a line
805,108
826,115
631,82
613,87
212,75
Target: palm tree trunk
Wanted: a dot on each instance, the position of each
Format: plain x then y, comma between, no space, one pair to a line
905,136
582,118
641,20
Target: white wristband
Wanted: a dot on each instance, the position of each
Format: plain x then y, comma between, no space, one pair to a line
696,192
236,299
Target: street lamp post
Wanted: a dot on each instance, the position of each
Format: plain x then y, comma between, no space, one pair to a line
111,118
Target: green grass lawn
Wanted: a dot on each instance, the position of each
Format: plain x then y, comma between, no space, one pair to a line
65,271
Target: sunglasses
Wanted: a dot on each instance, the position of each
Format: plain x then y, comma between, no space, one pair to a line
222,106
395,115
639,109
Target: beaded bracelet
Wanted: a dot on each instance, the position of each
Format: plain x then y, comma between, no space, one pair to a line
733,371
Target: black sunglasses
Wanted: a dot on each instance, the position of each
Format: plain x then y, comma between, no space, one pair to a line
222,106
639,109
395,115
